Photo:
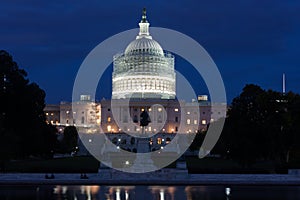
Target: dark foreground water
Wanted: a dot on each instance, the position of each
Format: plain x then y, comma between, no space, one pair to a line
148,192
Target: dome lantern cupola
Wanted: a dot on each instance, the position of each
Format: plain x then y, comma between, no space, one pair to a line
144,27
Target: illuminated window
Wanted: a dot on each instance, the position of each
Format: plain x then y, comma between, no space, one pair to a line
188,121
109,119
149,128
176,109
159,109
109,128
188,113
47,113
159,140
52,114
195,121
203,121
67,112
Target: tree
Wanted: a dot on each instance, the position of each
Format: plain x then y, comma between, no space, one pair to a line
23,129
197,141
69,142
258,126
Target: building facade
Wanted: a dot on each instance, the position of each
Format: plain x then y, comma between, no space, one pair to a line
143,79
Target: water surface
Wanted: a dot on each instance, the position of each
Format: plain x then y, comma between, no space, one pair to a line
95,192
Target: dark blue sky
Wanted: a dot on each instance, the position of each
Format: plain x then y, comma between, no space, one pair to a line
251,41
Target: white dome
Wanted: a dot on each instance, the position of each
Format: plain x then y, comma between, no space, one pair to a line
144,45
143,71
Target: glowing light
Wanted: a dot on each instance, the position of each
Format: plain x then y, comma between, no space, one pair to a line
109,128
118,194
227,191
126,195
162,194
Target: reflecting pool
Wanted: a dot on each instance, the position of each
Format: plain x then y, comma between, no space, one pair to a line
95,192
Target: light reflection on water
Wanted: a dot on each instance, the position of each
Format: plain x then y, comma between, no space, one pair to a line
96,192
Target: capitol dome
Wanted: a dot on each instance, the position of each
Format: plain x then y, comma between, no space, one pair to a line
143,70
144,45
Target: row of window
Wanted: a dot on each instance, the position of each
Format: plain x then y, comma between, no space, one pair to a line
143,67
133,84
159,120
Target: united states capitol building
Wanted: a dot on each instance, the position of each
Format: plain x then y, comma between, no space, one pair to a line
143,79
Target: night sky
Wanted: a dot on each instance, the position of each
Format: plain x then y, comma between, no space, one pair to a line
251,41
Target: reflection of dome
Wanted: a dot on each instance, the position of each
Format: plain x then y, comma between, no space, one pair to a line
144,70
144,45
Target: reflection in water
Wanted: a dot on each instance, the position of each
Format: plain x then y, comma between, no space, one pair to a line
120,192
162,192
148,192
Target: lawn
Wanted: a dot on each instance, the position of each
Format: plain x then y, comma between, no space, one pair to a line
82,164
223,166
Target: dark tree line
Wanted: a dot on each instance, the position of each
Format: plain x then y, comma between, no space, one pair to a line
261,125
23,130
